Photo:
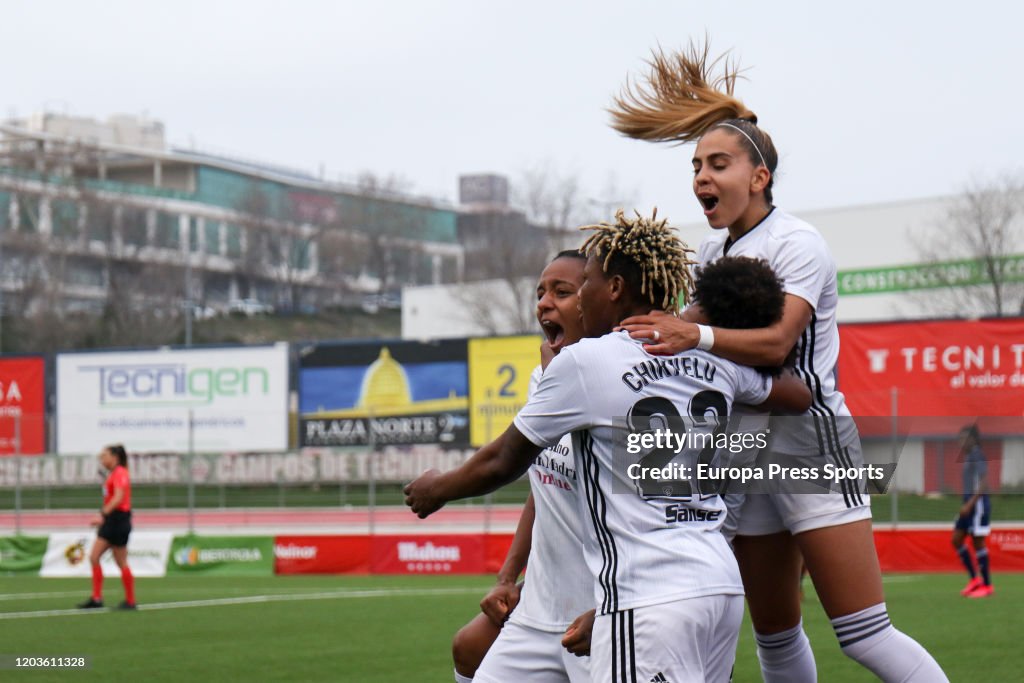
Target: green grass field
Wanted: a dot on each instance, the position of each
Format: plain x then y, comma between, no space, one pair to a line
386,629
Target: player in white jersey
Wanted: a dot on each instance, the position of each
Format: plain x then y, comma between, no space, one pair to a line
666,584
683,100
495,647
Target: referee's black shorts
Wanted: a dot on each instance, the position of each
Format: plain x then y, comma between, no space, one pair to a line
116,527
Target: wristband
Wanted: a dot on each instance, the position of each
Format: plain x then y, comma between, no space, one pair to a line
707,338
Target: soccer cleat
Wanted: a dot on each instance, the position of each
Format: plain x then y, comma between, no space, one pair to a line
125,605
91,603
981,591
972,585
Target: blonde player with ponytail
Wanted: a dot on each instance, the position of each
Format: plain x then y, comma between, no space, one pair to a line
688,97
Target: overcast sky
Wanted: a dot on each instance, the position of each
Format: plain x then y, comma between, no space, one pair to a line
867,101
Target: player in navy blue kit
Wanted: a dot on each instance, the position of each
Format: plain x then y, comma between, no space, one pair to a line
975,515
687,97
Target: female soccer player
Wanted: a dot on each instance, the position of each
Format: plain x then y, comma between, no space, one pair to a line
666,585
528,644
975,515
115,524
683,100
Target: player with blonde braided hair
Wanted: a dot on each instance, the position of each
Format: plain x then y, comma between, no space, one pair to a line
688,97
662,259
667,590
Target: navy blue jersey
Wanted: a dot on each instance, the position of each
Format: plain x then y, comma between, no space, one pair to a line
974,471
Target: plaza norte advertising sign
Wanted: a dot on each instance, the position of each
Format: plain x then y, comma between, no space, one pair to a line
22,418
953,368
211,400
384,394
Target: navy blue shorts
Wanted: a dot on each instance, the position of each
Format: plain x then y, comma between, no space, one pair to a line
978,522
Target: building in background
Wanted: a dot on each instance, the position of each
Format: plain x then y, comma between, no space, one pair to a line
897,260
95,214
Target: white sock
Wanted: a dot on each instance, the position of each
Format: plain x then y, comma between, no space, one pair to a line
869,638
459,678
786,657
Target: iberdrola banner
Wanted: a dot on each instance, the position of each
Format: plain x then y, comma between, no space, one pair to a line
233,555
22,553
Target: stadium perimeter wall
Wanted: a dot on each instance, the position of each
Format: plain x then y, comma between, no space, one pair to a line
64,554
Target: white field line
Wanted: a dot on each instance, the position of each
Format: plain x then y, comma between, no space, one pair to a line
253,599
30,596
900,578
6,597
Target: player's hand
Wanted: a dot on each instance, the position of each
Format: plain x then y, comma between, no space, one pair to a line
499,602
96,521
664,334
577,637
547,354
420,497
966,509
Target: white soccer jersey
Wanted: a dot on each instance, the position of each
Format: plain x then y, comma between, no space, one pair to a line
641,549
799,256
558,586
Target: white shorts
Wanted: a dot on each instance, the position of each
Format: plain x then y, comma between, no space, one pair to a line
524,654
685,641
761,514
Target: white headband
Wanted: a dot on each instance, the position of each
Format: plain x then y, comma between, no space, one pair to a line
744,134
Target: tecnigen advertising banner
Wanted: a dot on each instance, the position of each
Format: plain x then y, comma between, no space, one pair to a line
384,394
200,400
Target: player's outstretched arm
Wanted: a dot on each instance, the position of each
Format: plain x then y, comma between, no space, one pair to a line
503,598
498,463
763,346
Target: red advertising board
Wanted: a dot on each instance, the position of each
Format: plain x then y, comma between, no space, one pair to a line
22,416
929,550
904,549
411,554
429,554
959,368
321,554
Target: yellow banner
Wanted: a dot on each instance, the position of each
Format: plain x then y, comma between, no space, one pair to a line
499,377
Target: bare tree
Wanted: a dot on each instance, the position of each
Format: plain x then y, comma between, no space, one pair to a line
550,198
279,246
511,248
985,227
508,253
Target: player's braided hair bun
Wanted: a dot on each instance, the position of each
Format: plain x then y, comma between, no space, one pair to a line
650,249
681,98
684,96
